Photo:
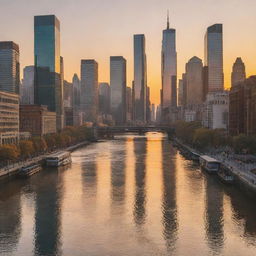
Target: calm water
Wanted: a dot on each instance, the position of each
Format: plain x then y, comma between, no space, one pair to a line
132,196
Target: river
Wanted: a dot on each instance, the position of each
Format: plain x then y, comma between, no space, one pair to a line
135,195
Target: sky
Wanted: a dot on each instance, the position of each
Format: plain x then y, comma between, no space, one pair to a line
98,29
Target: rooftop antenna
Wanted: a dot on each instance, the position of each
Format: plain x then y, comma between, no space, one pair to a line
168,21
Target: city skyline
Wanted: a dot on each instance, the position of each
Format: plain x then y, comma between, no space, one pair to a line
118,36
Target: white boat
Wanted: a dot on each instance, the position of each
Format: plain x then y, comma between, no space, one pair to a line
209,164
59,159
29,170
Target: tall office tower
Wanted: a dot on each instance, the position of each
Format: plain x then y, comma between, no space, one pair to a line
9,67
194,81
205,82
153,113
169,71
180,93
238,72
118,89
214,57
48,85
89,90
104,98
77,118
27,87
129,104
148,105
140,79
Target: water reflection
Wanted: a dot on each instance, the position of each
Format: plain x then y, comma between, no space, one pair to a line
48,201
140,150
169,205
214,213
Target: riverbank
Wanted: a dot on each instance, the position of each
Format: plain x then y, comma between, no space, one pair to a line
242,172
13,169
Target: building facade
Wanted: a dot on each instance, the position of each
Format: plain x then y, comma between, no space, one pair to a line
9,67
9,118
48,66
89,90
27,86
140,80
37,120
118,89
194,81
169,72
214,57
76,104
238,74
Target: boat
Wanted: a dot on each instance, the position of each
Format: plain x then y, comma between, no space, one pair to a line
209,164
225,174
59,159
29,170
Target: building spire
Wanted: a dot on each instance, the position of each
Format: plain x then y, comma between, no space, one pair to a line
168,21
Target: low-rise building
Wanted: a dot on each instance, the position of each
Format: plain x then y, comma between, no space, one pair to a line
37,120
9,118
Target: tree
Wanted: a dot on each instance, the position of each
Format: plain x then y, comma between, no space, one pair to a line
9,152
26,148
240,143
39,144
203,138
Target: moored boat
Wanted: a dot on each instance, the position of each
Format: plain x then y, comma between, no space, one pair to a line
59,159
209,164
225,175
29,170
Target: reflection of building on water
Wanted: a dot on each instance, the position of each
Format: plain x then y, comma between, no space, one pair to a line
214,214
140,150
169,204
10,217
49,191
244,210
118,162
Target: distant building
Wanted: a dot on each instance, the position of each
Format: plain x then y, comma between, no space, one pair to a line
140,80
9,118
148,106
214,57
216,110
129,105
194,81
238,72
49,66
89,90
181,93
9,67
37,120
27,87
118,89
77,114
153,113
169,72
104,101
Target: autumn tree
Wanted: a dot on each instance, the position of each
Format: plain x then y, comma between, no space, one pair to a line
26,148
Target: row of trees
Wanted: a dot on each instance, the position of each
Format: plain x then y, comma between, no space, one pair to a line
38,145
194,134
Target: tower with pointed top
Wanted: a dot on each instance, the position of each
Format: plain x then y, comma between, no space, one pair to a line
169,72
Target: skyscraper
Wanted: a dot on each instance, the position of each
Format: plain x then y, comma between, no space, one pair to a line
104,98
238,72
140,79
27,86
194,81
214,57
169,71
118,88
48,85
76,100
9,67
89,90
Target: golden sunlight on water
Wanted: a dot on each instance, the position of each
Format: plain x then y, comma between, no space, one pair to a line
135,195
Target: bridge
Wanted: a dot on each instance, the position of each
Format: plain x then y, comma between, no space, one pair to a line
110,131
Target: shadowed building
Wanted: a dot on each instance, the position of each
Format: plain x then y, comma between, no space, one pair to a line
27,88
9,67
48,85
118,89
140,79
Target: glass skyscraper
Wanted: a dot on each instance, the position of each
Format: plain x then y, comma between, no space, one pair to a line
118,89
214,57
48,85
169,72
9,67
140,79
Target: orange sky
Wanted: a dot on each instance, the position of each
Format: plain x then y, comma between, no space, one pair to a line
101,28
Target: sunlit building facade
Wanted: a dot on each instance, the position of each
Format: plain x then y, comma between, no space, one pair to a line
48,85
140,79
169,72
118,89
214,57
9,67
238,74
27,86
